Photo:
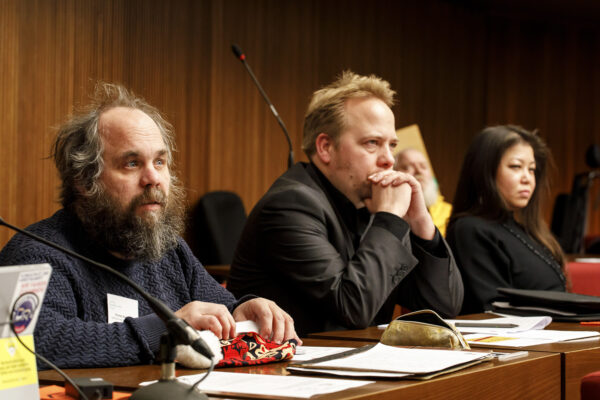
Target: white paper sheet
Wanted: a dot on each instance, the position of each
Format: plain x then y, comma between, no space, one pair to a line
529,338
592,260
304,353
350,374
269,385
523,324
395,359
245,326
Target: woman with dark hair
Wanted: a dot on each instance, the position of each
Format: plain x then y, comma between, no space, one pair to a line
496,229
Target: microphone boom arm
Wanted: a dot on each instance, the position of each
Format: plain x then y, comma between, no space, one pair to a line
242,57
184,333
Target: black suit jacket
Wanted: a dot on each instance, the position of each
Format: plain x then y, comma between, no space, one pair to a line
296,251
495,254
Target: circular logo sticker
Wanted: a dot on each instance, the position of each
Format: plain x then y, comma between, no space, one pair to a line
23,311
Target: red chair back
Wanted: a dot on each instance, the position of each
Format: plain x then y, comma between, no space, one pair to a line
585,277
590,386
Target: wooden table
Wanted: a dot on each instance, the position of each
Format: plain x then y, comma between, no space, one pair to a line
536,376
578,357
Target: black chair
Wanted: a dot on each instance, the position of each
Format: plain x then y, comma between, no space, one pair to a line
569,217
216,226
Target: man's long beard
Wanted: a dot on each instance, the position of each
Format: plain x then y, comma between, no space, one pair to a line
430,192
120,230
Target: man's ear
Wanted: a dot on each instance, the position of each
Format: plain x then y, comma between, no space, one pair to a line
80,189
324,146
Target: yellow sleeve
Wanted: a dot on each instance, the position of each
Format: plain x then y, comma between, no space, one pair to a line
440,212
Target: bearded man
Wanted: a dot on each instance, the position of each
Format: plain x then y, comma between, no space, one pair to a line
414,162
123,206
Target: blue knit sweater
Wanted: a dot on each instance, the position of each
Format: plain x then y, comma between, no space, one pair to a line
72,330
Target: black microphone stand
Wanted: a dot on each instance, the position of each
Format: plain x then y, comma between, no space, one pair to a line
242,57
168,387
178,332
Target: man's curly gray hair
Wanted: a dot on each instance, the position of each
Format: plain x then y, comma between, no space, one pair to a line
78,149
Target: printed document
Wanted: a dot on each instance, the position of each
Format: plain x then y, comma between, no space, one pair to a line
304,353
385,358
268,385
493,325
529,338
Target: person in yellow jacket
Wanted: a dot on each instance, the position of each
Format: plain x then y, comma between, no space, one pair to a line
414,162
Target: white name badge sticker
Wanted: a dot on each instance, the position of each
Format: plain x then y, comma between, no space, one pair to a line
120,307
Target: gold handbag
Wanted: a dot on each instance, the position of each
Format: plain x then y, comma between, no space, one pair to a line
423,328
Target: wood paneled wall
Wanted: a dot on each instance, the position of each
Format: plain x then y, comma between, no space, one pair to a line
455,69
547,76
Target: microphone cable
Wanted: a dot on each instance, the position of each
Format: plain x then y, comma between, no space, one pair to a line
210,369
179,327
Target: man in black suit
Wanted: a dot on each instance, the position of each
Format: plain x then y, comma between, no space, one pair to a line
339,241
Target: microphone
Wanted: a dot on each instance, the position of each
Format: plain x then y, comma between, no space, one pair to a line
183,333
592,156
239,54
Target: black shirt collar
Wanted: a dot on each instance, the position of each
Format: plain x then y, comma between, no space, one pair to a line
356,220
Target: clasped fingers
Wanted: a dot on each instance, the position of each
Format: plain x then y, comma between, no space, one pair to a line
391,177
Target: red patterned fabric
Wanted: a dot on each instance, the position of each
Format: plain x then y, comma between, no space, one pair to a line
251,349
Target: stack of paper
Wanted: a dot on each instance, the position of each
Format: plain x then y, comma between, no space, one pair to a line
305,353
528,338
500,325
251,385
515,332
388,361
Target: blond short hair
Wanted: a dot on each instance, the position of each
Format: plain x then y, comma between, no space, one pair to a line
326,114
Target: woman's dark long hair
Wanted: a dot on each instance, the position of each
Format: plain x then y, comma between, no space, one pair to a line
477,193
